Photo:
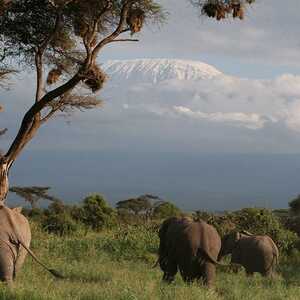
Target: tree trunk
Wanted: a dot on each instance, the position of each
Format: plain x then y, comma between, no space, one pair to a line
3,180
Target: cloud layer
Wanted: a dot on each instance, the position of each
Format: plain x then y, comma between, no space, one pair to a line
221,99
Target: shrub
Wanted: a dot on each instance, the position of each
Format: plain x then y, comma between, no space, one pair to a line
293,224
95,213
295,205
166,210
58,220
35,214
223,223
133,242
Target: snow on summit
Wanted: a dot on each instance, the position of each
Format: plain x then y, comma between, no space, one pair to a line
156,70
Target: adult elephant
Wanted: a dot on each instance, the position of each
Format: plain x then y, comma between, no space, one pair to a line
256,253
192,247
15,237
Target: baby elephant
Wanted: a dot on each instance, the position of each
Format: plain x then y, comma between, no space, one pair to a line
256,253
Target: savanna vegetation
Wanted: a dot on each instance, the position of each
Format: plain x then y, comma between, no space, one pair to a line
105,253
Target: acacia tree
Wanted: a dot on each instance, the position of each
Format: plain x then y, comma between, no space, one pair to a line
63,38
142,205
33,194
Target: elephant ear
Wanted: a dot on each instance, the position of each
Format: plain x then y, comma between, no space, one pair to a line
17,209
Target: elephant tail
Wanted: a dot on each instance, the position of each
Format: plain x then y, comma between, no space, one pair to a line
275,259
156,263
52,271
274,262
201,253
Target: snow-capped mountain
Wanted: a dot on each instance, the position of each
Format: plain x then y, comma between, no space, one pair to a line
157,70
174,89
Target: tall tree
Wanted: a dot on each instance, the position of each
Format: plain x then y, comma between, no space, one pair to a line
33,194
61,40
142,205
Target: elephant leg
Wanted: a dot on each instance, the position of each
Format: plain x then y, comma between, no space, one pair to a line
170,272
7,264
209,274
20,260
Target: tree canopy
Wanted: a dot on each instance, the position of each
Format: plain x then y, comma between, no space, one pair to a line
33,194
142,205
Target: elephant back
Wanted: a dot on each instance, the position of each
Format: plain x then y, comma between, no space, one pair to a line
13,225
204,239
183,238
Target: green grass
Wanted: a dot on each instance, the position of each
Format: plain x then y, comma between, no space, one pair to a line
117,265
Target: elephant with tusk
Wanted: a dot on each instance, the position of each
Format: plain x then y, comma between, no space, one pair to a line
190,247
15,237
256,253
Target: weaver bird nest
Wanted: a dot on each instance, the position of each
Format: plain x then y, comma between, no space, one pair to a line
135,20
53,76
221,9
95,78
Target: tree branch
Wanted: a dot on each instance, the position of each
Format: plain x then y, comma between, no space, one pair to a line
116,33
123,40
22,137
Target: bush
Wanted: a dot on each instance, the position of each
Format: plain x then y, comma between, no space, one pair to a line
133,242
58,220
95,213
34,214
223,223
293,224
295,205
166,210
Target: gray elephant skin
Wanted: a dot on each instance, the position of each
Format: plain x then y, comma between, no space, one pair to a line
256,253
190,247
15,237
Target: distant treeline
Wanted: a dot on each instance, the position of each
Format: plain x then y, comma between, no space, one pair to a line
94,213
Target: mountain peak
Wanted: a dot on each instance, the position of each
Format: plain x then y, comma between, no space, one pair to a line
156,70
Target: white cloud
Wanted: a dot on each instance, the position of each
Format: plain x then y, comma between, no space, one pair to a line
236,102
250,121
293,116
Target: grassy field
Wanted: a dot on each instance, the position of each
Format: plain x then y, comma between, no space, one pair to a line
117,265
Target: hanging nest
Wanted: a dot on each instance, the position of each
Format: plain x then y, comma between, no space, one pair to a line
238,11
221,9
95,78
53,76
135,20
210,9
